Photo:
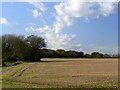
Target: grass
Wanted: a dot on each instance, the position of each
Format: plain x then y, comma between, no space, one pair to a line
12,84
13,72
62,73
8,64
9,84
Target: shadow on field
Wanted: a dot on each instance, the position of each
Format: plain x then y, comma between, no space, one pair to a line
56,61
60,61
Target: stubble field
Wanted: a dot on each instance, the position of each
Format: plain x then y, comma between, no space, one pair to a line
63,73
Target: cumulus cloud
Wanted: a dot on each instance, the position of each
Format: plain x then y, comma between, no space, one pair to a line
36,13
84,9
66,12
56,40
3,21
40,8
39,5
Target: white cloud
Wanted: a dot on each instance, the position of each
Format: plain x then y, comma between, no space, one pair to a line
58,0
36,13
84,9
3,21
39,5
40,8
65,14
107,8
57,40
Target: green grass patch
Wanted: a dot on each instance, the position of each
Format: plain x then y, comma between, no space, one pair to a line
10,84
97,85
11,73
8,64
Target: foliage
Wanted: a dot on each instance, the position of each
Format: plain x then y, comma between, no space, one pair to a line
18,48
35,41
32,48
60,53
96,55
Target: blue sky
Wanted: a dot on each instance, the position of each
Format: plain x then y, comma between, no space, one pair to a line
64,26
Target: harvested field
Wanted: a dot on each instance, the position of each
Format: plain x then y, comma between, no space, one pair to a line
62,73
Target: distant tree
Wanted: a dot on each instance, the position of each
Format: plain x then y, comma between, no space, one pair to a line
47,53
115,55
87,56
106,56
80,54
60,50
71,54
96,55
60,53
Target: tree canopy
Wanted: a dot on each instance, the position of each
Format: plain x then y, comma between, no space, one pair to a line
19,48
32,49
35,41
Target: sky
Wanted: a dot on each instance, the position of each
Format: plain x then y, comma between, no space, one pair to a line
80,26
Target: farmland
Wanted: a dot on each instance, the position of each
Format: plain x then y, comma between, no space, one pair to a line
63,73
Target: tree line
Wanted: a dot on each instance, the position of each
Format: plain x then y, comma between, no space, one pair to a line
33,48
60,53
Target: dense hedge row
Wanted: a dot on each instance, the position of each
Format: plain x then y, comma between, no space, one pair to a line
20,48
48,53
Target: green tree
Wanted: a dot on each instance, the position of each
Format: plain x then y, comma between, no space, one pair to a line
13,47
96,55
87,56
106,56
60,53
35,41
35,44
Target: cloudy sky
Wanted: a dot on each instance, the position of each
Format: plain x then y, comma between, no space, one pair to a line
81,26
